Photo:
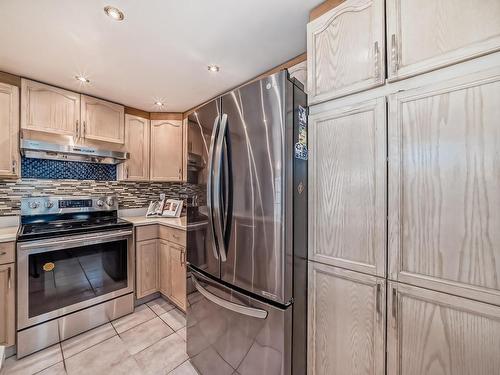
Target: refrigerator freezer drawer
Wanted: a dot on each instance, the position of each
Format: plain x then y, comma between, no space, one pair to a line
228,331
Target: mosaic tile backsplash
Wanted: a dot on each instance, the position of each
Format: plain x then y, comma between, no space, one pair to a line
129,194
60,169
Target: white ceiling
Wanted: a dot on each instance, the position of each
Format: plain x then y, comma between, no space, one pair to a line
159,52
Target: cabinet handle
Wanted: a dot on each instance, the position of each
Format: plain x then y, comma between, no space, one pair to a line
77,128
182,257
9,277
126,172
394,54
395,305
377,60
14,164
379,310
84,128
3,253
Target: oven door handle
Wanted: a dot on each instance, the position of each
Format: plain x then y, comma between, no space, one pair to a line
101,237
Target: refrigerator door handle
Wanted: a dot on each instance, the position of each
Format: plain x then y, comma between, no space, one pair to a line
210,186
217,188
237,308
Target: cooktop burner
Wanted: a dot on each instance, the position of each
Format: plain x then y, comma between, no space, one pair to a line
53,217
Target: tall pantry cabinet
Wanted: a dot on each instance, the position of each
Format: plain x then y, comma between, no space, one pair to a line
404,194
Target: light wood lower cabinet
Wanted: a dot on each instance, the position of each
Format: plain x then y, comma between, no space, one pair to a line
346,322
178,274
431,333
147,269
348,186
165,268
9,131
161,263
7,304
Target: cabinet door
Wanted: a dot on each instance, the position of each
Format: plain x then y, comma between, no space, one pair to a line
345,50
165,271
102,120
49,109
178,275
7,305
147,268
166,150
444,186
346,322
431,333
137,131
347,180
9,130
428,34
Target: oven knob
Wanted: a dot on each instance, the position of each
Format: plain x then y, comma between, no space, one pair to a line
34,205
100,203
110,202
49,204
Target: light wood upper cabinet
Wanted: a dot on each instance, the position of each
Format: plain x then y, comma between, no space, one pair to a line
49,109
346,322
347,187
7,304
345,50
444,186
9,131
428,34
432,333
178,272
166,150
137,139
165,269
147,270
102,120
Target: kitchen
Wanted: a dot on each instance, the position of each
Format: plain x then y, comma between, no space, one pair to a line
317,195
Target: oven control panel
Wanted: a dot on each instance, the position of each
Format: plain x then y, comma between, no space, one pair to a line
58,205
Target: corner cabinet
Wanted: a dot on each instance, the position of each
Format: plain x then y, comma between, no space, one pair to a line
427,34
166,150
435,333
346,322
102,121
49,109
348,186
137,139
346,50
9,131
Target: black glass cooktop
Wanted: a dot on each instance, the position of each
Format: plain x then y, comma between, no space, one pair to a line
63,225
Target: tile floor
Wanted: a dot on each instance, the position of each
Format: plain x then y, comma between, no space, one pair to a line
152,340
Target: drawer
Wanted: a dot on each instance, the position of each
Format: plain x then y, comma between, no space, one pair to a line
177,236
7,252
146,232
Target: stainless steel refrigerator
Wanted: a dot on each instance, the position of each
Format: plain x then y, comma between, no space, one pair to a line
247,236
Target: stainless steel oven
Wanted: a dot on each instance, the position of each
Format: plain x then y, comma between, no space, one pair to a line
59,276
75,270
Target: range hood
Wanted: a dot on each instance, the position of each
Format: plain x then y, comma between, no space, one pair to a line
53,151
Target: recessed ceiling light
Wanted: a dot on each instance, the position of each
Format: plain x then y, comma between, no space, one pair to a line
213,68
82,79
159,104
114,13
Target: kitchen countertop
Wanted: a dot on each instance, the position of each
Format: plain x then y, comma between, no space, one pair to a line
173,222
8,234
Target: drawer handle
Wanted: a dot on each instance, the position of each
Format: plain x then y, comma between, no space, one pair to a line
2,253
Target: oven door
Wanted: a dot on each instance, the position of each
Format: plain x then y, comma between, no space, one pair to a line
58,276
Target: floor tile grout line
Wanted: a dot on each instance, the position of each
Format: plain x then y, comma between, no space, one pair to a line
97,343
